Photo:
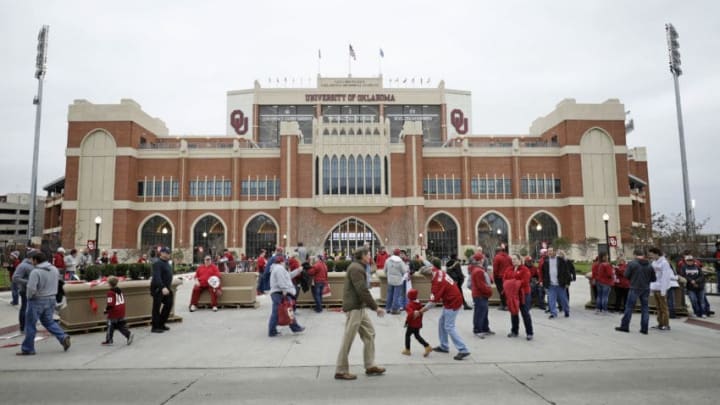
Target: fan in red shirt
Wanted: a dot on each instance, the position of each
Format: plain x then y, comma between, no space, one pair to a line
114,258
622,285
481,291
381,257
537,292
59,260
604,280
115,311
517,295
501,262
202,277
443,289
319,273
260,269
413,322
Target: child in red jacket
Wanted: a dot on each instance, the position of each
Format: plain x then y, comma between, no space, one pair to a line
413,322
115,311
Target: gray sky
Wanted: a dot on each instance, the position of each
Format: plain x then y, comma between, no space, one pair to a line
519,59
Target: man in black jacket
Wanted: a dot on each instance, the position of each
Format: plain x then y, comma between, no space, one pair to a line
161,290
641,274
556,278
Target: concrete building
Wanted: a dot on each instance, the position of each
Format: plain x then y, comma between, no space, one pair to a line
52,228
346,162
15,217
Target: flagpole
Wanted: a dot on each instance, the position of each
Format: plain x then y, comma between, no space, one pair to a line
349,65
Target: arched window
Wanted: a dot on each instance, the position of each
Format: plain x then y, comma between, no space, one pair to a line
334,175
317,176
156,231
368,175
359,176
326,175
208,237
349,235
542,229
492,230
387,183
442,236
261,233
343,175
351,175
376,174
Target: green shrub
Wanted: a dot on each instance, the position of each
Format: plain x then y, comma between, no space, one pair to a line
469,253
92,272
146,271
342,265
330,265
107,270
135,271
121,270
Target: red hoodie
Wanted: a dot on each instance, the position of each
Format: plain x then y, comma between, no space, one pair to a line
319,272
380,259
411,308
444,289
203,274
605,274
622,282
480,288
521,274
59,261
501,262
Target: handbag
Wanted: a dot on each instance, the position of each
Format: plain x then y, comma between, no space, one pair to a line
326,291
286,314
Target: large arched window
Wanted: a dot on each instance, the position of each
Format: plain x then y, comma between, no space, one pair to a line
542,230
376,174
261,233
156,231
492,230
442,236
351,175
349,235
208,237
359,176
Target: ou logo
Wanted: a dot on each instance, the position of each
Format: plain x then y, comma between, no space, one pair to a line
239,122
458,120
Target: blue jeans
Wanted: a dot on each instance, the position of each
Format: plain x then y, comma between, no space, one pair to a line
671,301
22,311
555,293
633,296
697,299
40,309
272,324
603,292
15,294
480,315
394,297
446,326
318,295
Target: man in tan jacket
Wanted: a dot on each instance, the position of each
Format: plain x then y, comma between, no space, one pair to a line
356,296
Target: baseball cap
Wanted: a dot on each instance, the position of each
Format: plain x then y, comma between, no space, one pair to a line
412,294
689,258
396,251
477,256
164,249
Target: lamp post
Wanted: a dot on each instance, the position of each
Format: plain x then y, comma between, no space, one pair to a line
420,238
538,228
606,219
285,241
205,244
98,221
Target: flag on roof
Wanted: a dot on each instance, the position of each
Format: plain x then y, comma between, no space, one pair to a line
352,53
382,54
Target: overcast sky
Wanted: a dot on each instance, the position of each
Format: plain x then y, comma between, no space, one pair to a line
519,59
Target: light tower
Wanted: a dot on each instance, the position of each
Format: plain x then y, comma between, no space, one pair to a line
40,69
674,56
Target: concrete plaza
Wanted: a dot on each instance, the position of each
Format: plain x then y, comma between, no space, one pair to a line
226,357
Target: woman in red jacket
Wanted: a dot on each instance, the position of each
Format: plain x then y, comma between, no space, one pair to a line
622,285
319,273
604,281
202,275
517,295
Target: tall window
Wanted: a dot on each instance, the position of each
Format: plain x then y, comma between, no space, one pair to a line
359,176
217,188
540,185
334,175
490,186
441,186
376,174
343,175
351,175
326,175
158,188
260,188
368,175
270,117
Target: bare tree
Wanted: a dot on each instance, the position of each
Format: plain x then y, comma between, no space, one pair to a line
310,232
670,233
400,230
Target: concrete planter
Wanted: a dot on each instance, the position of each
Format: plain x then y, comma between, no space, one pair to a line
238,289
680,305
78,314
337,287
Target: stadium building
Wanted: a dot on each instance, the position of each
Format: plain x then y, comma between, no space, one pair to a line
350,161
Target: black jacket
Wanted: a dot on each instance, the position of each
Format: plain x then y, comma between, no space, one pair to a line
640,273
564,276
162,276
454,270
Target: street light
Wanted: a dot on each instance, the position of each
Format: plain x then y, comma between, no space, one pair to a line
606,219
285,241
538,228
207,248
420,238
98,221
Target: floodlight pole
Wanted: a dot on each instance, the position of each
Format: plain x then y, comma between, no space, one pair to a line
40,69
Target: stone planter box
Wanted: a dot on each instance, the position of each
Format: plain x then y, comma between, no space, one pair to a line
238,289
337,287
79,316
680,305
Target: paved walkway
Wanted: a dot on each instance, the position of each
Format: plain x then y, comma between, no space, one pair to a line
227,357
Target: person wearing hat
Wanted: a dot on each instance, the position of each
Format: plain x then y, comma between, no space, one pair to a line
481,292
695,285
281,286
161,290
395,271
319,273
381,257
202,277
58,261
443,289
413,323
14,263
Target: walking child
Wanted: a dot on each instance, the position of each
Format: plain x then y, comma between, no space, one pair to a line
413,322
115,311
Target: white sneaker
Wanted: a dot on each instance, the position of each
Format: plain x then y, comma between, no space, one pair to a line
214,309
193,308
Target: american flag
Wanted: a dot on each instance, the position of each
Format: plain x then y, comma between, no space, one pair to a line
319,54
382,54
352,53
